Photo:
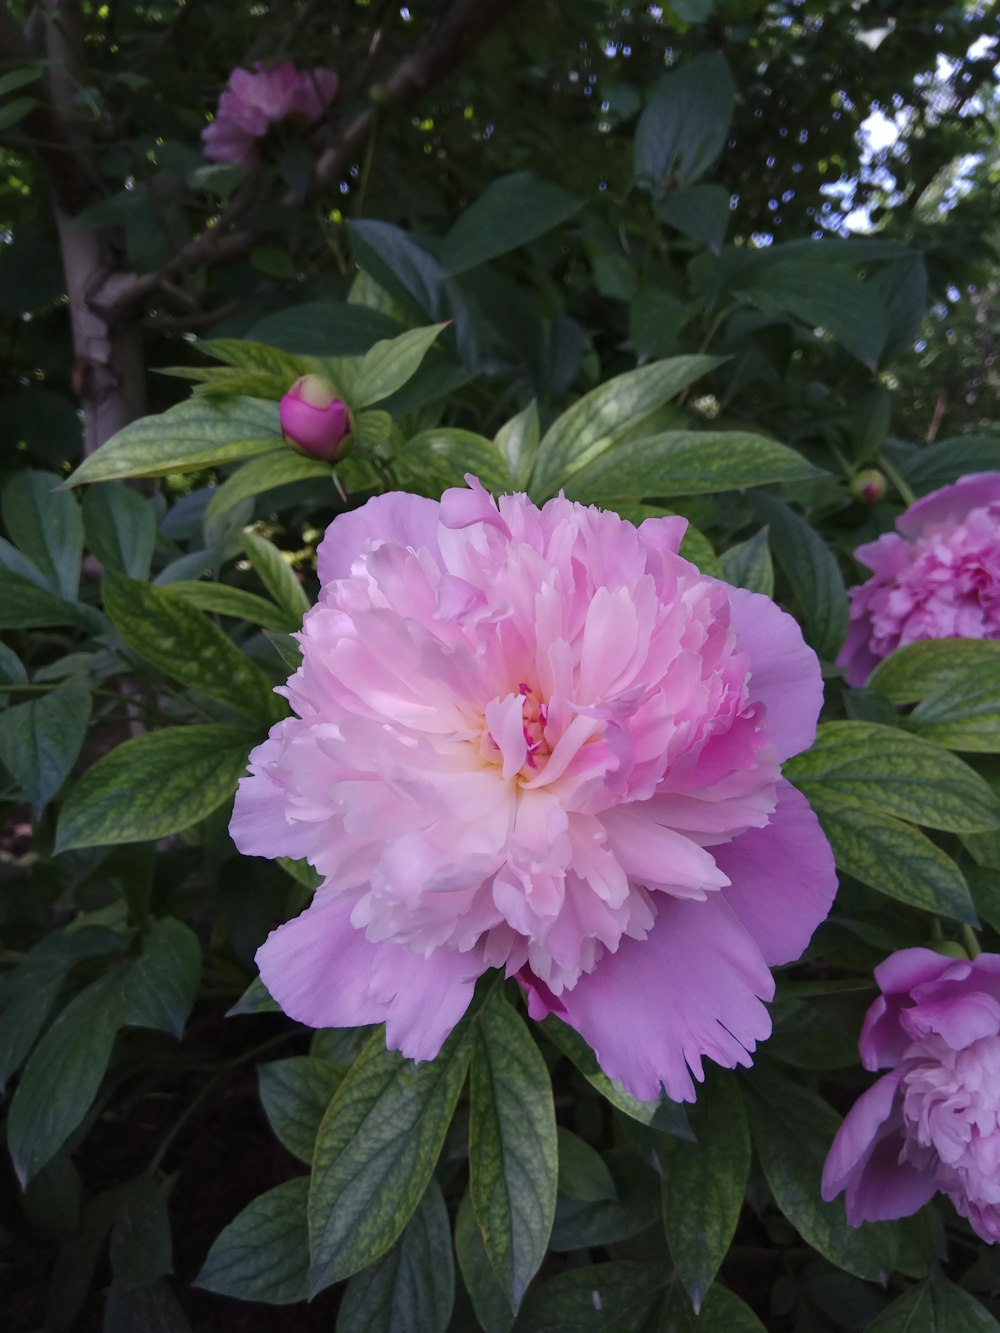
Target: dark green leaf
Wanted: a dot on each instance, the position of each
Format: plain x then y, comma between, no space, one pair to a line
375,1151
167,631
687,462
488,1300
202,432
935,1306
956,686
263,1254
683,129
295,1094
141,1247
512,210
513,1152
120,527
160,986
944,462
153,786
811,569
604,1298
848,309
263,474
276,574
412,1288
517,440
722,1312
704,1184
748,564
700,211
436,459
254,1000
40,740
45,523
583,1173
153,1309
902,287
324,328
792,1132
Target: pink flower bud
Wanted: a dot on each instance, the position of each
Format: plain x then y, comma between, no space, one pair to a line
868,486
314,418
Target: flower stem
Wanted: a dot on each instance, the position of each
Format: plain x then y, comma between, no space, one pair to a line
971,942
906,495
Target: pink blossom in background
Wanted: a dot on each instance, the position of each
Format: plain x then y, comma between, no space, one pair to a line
314,418
252,103
936,577
933,1122
540,740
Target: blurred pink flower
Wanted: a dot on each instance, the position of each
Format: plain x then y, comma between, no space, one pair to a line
540,740
314,418
933,1122
252,103
937,577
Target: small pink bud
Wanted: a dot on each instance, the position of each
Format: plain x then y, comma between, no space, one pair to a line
868,486
314,419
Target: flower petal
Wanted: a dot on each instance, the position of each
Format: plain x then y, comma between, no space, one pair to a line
410,520
692,988
785,673
324,972
951,503
783,878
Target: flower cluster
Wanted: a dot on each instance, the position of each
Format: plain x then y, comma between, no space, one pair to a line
936,577
933,1122
252,103
540,740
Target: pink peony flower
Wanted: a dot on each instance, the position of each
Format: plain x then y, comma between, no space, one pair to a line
314,418
540,740
938,577
252,103
933,1122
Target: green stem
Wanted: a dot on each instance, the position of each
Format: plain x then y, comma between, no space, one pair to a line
905,493
971,941
366,166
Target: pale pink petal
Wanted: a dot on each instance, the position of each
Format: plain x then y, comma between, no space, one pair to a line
783,878
784,672
410,520
883,1041
654,1008
659,857
951,503
325,973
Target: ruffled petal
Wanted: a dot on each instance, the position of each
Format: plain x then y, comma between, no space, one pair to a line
410,520
655,1007
325,973
783,878
785,672
951,503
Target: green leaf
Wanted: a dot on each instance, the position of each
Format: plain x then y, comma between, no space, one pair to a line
12,670
199,433
389,365
662,1115
602,1298
45,523
940,464
684,127
276,574
488,1300
687,462
17,78
792,1133
15,110
41,740
375,1151
411,1287
891,856
700,211
263,1254
256,999
581,1224
24,605
811,569
513,1151
162,627
898,774
704,1184
512,211
902,287
224,600
748,564
141,1245
61,1079
833,299
324,328
956,686
153,786
277,468
295,1094
518,439
120,527
583,1173
935,1306
590,426
722,1312
436,459
154,1309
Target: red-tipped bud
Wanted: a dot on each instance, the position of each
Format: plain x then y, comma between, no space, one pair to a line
868,486
314,419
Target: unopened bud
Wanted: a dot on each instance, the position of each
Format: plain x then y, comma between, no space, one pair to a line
868,486
314,419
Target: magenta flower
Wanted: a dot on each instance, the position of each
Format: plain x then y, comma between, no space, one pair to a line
252,103
933,1122
937,577
314,418
540,740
